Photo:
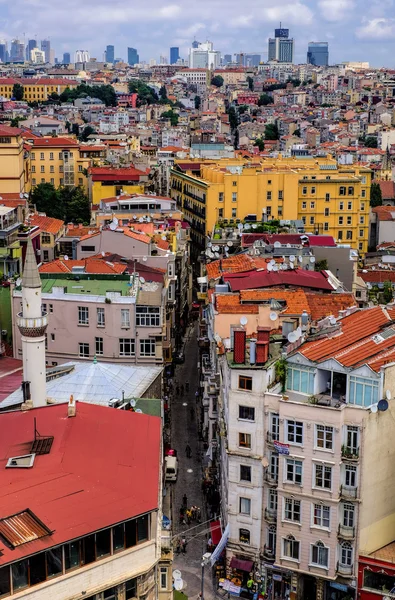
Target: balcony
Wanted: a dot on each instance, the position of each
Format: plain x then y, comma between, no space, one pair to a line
348,492
269,554
32,327
271,478
270,515
346,533
346,570
350,454
271,438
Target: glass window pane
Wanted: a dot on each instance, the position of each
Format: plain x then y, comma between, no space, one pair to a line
5,585
296,381
359,394
37,568
72,555
118,537
142,528
19,575
367,401
131,589
103,543
54,562
88,549
130,533
303,382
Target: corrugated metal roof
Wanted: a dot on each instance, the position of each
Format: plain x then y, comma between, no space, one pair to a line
22,528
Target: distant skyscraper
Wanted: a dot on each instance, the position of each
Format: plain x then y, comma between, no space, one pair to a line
174,55
133,57
3,51
66,58
281,47
195,44
110,54
46,48
318,54
17,51
204,56
30,45
227,59
81,56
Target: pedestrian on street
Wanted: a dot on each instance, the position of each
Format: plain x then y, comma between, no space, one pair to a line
188,451
184,545
178,546
189,516
185,500
187,386
198,515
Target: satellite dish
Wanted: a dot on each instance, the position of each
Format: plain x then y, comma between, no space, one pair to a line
382,405
66,257
254,226
21,195
18,282
273,262
133,403
288,245
113,226
243,320
176,574
216,254
292,337
277,244
148,219
142,280
144,259
138,410
270,267
178,584
292,258
275,268
141,220
312,259
230,243
135,217
374,408
273,316
291,265
115,220
170,215
247,226
240,226
164,238
209,245
388,395
300,259
26,195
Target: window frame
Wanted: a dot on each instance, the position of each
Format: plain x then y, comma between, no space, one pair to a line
83,316
244,380
293,544
243,500
247,410
323,467
326,430
292,510
241,474
319,546
292,467
294,432
147,347
124,342
247,440
321,516
82,347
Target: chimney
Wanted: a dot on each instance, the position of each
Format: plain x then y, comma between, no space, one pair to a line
264,334
239,344
262,346
71,408
252,351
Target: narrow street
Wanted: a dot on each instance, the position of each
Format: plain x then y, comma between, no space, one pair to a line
184,430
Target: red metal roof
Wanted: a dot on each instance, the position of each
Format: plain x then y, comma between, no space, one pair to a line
53,142
110,174
92,477
287,238
262,279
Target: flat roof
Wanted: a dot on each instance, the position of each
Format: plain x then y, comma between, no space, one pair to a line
91,478
94,287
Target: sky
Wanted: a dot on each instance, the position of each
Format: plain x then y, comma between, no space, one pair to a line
361,30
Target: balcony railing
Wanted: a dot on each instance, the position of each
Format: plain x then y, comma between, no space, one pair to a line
348,492
345,532
271,478
270,515
350,454
270,438
344,569
269,553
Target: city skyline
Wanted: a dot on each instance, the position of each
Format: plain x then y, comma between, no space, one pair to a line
366,37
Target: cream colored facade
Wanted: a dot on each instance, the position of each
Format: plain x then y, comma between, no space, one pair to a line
14,167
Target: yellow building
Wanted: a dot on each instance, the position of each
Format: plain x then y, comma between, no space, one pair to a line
329,199
106,182
35,90
14,166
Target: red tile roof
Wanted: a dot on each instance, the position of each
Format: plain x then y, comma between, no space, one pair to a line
387,189
47,224
93,265
9,131
90,480
53,142
110,174
262,279
378,276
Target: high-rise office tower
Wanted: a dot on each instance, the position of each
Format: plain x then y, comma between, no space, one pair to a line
133,57
174,55
195,44
110,54
66,58
30,46
17,51
204,56
281,47
227,59
3,51
318,54
46,48
81,56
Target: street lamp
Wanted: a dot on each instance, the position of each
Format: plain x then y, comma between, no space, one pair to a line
205,560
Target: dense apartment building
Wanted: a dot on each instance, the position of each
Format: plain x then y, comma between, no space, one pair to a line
35,90
328,198
14,167
107,182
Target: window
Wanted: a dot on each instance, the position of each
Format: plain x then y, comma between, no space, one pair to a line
125,318
304,204
324,437
245,440
273,500
292,510
346,554
311,220
319,555
291,548
163,578
247,413
101,319
327,197
361,233
52,337
348,234
271,539
60,168
131,589
300,379
83,350
51,156
313,190
103,543
360,246
268,212
83,315
126,347
220,213
42,169
340,220
378,581
312,204
80,168
350,475
275,426
348,515
362,206
304,220
20,578
294,432
33,181
33,168
45,238
363,194
280,195
341,205
99,346
340,235
349,220
293,472
326,226
234,196
363,391
273,466
323,476
304,191
147,347
342,191
268,195
244,536
80,181
52,180
326,212
52,169
350,190
269,181
352,438
234,212
349,205
148,316
33,155
362,220
220,196
245,473
43,180
54,563
245,506
41,155
321,516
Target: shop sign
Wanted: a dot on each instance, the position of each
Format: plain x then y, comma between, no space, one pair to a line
277,577
339,586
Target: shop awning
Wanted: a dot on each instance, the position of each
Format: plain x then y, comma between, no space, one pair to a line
242,565
216,533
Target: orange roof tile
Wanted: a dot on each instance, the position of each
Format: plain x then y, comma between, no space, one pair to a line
92,265
47,224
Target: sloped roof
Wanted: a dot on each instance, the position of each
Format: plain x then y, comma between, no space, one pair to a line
91,265
47,224
262,279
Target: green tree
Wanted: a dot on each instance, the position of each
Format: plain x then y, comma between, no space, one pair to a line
242,109
54,96
236,140
75,129
105,93
265,99
260,143
271,132
233,118
250,82
145,93
17,91
163,95
218,81
321,265
376,198
68,126
387,292
371,142
76,205
198,102
16,120
46,199
86,132
173,116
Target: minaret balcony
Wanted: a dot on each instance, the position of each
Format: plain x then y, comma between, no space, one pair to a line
32,327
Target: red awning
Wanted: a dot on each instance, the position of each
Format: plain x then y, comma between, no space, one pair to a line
242,565
216,533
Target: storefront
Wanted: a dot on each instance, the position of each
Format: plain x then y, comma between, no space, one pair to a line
376,575
336,590
276,582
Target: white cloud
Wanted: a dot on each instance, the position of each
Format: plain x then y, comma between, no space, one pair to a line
336,10
293,14
376,29
171,11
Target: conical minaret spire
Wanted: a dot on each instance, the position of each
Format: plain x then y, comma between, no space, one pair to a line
32,324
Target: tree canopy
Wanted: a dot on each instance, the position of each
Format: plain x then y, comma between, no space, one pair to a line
198,102
218,81
105,93
376,198
145,93
173,116
233,118
250,82
67,203
260,143
265,99
271,132
371,142
17,91
86,132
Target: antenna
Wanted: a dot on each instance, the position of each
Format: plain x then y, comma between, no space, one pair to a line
374,408
273,316
243,320
388,395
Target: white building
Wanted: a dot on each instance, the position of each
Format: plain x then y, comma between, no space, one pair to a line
204,57
81,56
37,56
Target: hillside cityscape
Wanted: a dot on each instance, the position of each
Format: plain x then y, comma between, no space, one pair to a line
197,311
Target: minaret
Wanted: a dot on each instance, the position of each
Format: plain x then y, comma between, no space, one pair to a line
32,324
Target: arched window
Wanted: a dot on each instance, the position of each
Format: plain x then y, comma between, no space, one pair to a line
319,554
346,554
291,547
